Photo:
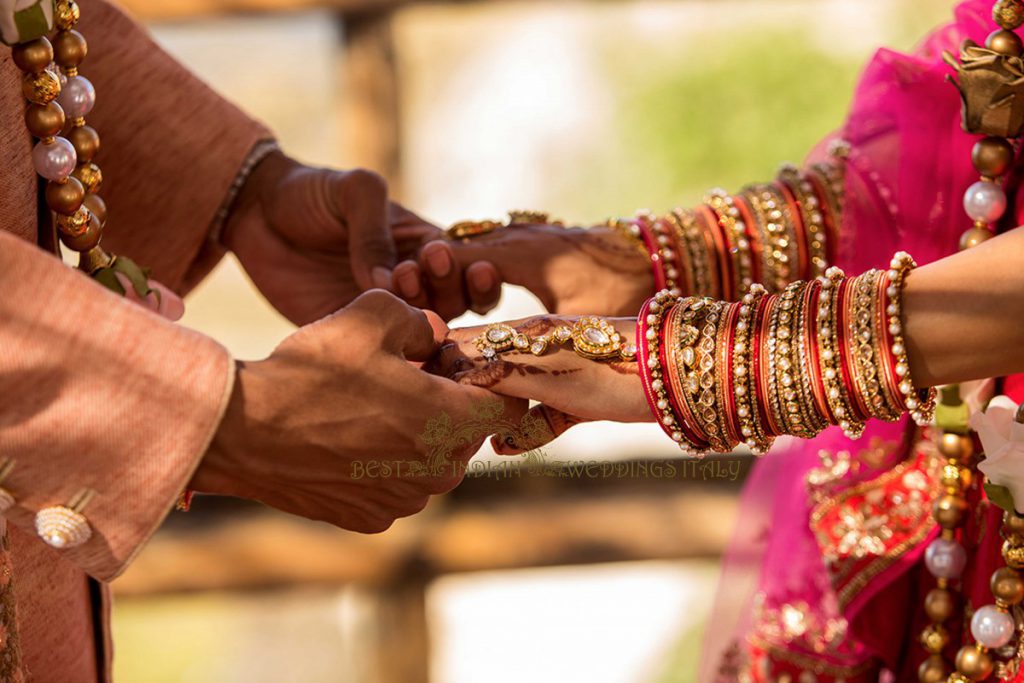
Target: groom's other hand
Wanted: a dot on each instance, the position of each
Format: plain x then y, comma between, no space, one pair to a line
312,239
329,427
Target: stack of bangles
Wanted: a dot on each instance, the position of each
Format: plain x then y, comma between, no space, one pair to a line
773,233
827,351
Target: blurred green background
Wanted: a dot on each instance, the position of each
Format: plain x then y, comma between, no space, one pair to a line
587,109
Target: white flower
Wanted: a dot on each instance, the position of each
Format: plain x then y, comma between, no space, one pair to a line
1002,440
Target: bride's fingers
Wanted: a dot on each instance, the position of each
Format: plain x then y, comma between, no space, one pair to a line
556,422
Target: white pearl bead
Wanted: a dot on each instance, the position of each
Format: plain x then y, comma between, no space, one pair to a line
662,404
992,627
827,354
54,160
895,329
651,335
747,432
897,349
905,387
985,201
657,385
652,320
945,559
902,370
77,97
742,411
912,404
830,374
891,291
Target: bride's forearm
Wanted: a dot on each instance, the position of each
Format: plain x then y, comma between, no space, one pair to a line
964,314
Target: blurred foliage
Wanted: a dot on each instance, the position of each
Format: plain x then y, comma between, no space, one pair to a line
708,117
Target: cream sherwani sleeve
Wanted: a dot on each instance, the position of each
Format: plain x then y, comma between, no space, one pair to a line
96,392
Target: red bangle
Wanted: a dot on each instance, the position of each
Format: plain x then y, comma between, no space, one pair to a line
673,387
803,265
718,248
753,237
831,227
651,244
847,347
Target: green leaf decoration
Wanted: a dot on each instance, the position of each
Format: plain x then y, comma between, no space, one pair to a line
1000,496
137,276
31,22
105,276
952,418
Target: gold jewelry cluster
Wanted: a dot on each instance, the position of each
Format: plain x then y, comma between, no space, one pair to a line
591,337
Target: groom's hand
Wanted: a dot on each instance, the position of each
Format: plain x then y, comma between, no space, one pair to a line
312,239
329,427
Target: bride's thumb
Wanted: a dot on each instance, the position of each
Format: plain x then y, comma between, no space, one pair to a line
540,426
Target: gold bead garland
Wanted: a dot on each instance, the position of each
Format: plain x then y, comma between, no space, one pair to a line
992,157
79,213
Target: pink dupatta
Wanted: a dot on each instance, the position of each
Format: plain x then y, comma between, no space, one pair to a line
823,576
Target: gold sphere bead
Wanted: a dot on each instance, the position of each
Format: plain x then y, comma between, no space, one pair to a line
90,175
1009,14
86,142
992,156
974,663
97,207
1013,525
42,87
89,233
69,48
939,604
933,670
1005,43
958,677
949,511
44,120
1013,554
955,446
951,477
74,224
66,14
1007,585
974,236
934,638
65,198
33,56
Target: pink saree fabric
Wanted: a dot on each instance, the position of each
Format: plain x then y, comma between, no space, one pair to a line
908,168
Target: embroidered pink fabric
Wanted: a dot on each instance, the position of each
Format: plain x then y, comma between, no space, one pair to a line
908,168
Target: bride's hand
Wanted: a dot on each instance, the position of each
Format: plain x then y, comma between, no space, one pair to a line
571,389
571,270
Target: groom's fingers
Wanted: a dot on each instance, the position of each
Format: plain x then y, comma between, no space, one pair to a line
393,325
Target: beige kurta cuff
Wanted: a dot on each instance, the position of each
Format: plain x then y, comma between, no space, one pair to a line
99,394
